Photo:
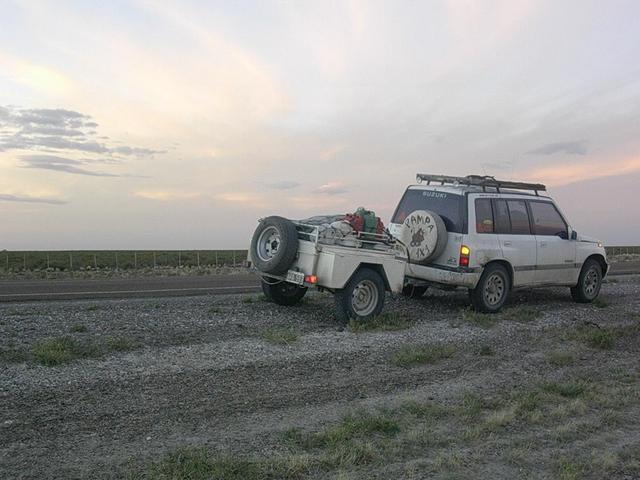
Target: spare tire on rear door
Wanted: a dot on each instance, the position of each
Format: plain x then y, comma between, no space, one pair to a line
274,245
425,236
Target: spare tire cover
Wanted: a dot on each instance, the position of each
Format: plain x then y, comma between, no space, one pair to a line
425,236
274,245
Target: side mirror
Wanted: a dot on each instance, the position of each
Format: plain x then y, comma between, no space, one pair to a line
574,235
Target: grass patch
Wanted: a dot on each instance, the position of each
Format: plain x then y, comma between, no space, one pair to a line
567,390
560,358
520,314
199,464
600,303
121,344
280,335
411,355
385,322
59,350
79,328
486,351
256,298
484,320
54,351
595,336
92,308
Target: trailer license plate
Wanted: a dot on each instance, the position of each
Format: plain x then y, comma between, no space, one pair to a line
295,277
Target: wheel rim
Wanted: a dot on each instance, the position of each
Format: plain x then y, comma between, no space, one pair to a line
364,298
268,244
494,289
591,282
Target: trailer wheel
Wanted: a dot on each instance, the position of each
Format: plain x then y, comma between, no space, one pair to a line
274,245
362,297
283,293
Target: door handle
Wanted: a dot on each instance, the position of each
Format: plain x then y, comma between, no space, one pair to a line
507,243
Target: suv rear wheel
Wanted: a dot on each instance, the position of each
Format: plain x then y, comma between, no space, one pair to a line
362,297
492,289
589,282
283,293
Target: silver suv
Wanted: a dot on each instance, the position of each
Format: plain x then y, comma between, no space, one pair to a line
497,236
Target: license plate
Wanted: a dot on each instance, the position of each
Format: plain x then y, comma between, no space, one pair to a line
295,277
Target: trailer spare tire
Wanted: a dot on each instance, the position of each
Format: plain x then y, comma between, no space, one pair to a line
425,236
274,245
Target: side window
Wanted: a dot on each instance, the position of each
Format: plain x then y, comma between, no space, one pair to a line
484,216
503,224
547,220
519,217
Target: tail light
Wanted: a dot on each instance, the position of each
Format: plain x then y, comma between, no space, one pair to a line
464,256
311,279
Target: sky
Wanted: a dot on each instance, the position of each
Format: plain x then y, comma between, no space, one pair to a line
154,124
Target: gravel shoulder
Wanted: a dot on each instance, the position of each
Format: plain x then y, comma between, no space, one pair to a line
158,375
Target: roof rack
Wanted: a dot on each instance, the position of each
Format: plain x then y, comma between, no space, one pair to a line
483,181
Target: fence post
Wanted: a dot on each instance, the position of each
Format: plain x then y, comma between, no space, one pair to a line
48,262
198,258
154,259
234,258
95,261
70,261
179,258
135,260
216,259
116,261
7,261
25,261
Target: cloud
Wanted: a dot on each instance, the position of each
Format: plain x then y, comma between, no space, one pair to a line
60,164
563,174
284,185
5,197
570,148
40,129
164,195
332,188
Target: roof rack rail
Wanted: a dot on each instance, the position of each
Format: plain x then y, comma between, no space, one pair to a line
483,181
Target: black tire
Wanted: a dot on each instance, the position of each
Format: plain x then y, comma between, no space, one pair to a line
414,291
283,293
492,289
274,245
589,282
362,297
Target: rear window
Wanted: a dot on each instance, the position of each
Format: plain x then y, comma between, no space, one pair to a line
484,216
448,205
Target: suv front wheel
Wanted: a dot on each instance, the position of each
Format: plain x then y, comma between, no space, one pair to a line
492,289
589,282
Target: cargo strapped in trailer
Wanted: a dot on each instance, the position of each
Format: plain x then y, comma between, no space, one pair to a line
483,181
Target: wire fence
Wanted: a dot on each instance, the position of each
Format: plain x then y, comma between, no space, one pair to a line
623,250
76,260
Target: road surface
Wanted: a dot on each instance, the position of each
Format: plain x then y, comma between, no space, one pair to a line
31,290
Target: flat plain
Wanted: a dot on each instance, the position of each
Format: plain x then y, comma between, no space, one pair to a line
233,387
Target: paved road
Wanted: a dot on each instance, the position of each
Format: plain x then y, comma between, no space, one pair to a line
30,290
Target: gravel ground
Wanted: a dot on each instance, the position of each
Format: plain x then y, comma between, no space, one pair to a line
198,371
